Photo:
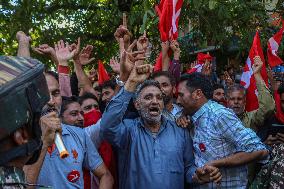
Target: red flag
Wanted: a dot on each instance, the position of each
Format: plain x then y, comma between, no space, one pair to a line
248,80
102,73
168,12
201,58
273,45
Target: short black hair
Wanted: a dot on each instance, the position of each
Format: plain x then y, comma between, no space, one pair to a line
86,96
109,84
52,74
65,102
197,80
218,86
281,88
166,74
143,85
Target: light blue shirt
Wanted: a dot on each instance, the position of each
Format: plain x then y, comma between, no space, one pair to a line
82,154
147,161
218,133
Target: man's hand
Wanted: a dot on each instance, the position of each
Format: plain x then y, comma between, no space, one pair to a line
85,55
115,65
207,68
63,53
256,67
174,45
127,60
208,174
23,38
228,80
46,50
142,43
49,124
182,121
165,57
138,74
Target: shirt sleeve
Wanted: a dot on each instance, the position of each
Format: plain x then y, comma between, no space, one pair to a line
175,69
188,155
244,139
93,132
92,159
64,84
266,106
113,127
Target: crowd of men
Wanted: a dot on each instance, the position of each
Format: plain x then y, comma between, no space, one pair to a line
145,129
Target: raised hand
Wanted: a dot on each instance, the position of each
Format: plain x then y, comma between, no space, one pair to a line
23,38
63,52
138,74
228,80
85,55
174,45
24,44
207,68
115,65
256,67
143,43
46,50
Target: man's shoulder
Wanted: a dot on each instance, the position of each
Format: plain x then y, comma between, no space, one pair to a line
217,109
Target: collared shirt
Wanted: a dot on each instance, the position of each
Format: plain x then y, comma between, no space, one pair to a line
174,114
67,173
218,133
146,161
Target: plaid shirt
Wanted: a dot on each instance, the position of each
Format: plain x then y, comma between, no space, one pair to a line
218,133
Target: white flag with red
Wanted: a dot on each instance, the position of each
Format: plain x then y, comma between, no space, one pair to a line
273,45
248,80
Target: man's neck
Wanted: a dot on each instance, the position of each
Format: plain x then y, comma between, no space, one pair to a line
169,106
152,127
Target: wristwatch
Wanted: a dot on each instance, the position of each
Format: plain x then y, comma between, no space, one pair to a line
118,81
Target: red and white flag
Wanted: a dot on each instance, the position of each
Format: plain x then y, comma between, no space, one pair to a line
169,13
201,58
273,45
248,80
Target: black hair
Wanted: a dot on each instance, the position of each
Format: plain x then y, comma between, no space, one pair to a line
143,85
197,80
218,86
52,74
281,88
86,96
65,102
74,84
109,84
165,74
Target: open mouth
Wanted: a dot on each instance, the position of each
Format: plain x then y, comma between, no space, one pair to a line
154,111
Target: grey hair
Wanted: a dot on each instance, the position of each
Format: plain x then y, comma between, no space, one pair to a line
143,85
235,87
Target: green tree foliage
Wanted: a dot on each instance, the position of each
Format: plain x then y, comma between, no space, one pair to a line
214,22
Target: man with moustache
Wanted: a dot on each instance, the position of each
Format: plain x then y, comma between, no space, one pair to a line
153,152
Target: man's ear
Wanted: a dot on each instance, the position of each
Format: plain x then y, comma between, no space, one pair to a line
137,104
20,136
174,90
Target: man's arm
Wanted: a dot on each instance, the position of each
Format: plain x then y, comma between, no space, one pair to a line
24,44
49,123
106,180
265,98
248,146
188,157
175,65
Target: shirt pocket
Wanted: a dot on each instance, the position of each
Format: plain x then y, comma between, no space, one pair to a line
175,164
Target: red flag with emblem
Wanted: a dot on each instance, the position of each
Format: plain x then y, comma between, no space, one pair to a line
201,58
168,12
102,73
248,80
273,45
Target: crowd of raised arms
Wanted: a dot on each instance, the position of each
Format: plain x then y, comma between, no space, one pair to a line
144,128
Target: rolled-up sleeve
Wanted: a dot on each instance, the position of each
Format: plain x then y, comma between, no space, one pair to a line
113,129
